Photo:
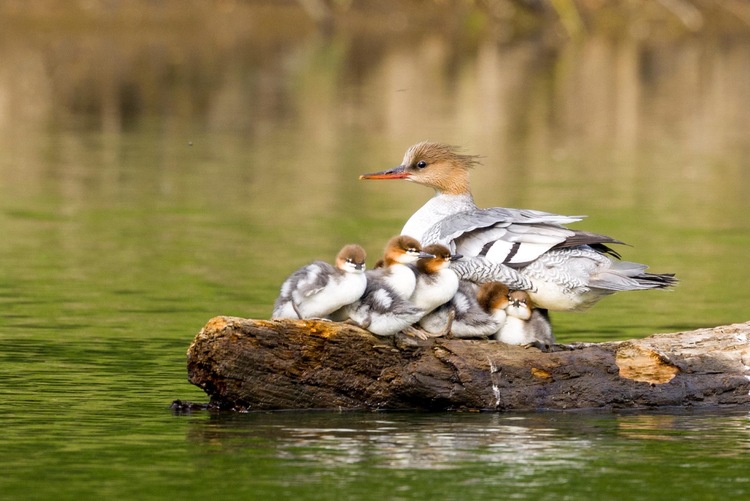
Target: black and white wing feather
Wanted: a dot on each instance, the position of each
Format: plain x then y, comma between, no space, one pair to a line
514,237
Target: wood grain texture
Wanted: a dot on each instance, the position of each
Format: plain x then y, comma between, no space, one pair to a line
245,364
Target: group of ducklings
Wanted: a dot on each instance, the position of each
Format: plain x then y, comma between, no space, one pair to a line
412,290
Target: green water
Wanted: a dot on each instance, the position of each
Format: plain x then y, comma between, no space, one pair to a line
151,179
117,452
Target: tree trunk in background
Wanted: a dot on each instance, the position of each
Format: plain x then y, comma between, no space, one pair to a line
263,365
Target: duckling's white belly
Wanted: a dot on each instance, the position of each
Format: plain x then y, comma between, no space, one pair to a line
515,331
386,324
339,292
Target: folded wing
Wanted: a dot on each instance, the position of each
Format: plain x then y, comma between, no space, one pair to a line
514,237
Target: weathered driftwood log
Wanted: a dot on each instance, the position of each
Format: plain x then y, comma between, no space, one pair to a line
260,365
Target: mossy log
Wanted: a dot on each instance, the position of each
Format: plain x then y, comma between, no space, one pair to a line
266,365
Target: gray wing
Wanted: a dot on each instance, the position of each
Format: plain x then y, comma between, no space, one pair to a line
513,237
308,280
380,297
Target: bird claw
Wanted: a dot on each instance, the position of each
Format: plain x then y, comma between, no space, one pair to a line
416,333
544,347
448,332
351,321
296,310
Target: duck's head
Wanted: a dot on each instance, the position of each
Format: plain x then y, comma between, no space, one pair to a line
436,165
442,258
519,305
493,296
404,249
351,258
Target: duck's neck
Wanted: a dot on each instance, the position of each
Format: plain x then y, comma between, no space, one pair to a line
438,207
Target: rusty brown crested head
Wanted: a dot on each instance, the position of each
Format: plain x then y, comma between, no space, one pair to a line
493,296
436,165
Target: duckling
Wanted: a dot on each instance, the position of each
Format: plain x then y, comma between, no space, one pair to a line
462,316
318,289
525,324
397,270
385,308
437,283
382,311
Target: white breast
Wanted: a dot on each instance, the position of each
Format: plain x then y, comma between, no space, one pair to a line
434,291
401,279
514,331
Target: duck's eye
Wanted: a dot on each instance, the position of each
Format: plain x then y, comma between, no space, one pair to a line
421,164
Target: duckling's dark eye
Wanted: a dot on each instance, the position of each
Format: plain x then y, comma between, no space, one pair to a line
421,164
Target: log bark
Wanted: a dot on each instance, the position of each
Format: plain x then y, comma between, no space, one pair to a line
247,364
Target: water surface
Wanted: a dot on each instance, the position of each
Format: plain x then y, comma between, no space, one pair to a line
153,178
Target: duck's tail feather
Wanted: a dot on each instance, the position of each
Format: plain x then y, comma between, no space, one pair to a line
627,276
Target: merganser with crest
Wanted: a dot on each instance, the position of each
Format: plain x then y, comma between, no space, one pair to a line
560,268
319,289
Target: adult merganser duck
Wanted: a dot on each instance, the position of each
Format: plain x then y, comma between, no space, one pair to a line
464,317
384,308
560,268
524,324
319,289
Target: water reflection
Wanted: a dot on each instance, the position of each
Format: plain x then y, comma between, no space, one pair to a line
306,96
527,444
431,442
697,427
529,456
